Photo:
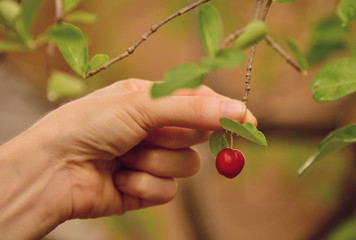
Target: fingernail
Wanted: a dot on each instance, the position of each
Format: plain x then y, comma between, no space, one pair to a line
120,179
234,109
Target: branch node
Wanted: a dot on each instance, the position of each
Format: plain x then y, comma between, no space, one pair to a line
130,50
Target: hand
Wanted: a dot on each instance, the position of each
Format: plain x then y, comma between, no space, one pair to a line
117,150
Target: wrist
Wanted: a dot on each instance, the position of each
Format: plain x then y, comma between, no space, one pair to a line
33,185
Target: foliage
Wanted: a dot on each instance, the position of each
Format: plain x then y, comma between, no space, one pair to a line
345,230
210,29
218,140
346,10
327,38
62,85
299,56
333,81
18,18
73,45
253,32
333,142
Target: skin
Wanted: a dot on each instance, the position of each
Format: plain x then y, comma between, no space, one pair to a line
109,152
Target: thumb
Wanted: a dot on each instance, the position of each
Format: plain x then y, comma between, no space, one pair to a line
198,112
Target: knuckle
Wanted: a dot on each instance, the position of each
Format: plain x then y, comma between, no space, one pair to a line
169,192
141,183
199,107
194,163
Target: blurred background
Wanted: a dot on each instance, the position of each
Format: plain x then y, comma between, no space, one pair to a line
267,200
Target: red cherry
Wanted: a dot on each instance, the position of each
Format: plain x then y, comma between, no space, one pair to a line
230,162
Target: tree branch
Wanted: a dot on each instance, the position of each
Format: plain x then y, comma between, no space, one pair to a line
265,11
284,55
59,11
145,36
231,37
252,55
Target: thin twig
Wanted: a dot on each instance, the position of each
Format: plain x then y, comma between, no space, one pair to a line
231,37
284,55
257,9
252,55
59,11
265,11
145,36
277,48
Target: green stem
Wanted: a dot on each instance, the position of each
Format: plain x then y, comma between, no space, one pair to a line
231,140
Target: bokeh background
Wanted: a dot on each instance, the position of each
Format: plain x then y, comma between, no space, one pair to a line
268,200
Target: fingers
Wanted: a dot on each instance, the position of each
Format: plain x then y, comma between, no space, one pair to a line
148,181
163,162
144,186
197,112
175,137
198,109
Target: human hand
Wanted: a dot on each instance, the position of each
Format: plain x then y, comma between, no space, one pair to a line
117,150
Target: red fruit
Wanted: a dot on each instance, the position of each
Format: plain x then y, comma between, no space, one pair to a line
230,162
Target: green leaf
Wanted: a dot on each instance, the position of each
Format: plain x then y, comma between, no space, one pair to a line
6,46
81,17
299,56
9,10
346,10
284,1
217,142
253,33
24,23
69,5
228,58
210,28
328,37
179,77
73,45
335,80
336,140
245,130
344,230
97,61
62,85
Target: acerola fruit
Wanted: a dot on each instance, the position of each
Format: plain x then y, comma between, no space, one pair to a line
230,162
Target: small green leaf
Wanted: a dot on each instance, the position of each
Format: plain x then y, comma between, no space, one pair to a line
97,61
335,80
81,17
299,56
228,58
24,23
245,130
328,37
73,45
6,46
9,10
210,28
217,142
336,140
284,1
253,33
63,85
346,10
179,77
69,5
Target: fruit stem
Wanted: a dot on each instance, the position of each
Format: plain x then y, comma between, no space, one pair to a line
231,140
